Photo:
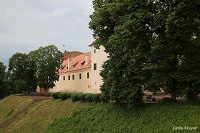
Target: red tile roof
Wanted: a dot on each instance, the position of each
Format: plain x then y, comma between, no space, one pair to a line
77,63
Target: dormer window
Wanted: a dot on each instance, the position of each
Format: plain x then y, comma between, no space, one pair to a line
75,64
62,67
83,63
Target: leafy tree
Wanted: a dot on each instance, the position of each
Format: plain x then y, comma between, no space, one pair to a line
123,29
22,72
149,45
174,54
3,85
48,60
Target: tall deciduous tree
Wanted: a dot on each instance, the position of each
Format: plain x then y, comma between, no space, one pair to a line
23,72
150,43
48,60
3,85
123,29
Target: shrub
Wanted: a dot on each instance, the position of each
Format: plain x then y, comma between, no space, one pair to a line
55,95
192,95
63,96
89,97
166,100
75,97
104,99
82,96
96,98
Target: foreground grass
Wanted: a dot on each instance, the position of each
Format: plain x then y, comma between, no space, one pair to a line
149,118
23,115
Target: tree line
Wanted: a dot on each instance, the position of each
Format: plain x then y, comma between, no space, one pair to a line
27,71
152,45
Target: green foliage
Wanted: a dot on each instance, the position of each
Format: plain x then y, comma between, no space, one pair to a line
22,73
75,97
63,96
48,60
20,85
3,83
84,97
166,100
151,44
109,118
55,95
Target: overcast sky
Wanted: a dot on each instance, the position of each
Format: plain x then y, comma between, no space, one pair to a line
25,25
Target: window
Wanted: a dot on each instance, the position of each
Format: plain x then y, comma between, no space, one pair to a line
88,75
80,76
69,77
63,77
95,66
72,77
94,50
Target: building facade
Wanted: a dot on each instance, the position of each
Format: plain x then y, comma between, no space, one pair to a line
80,73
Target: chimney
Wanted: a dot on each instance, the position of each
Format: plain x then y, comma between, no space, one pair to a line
69,63
86,59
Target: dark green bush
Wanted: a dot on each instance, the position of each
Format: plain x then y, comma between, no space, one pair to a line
63,96
96,98
75,97
166,100
82,96
104,99
55,95
192,95
89,98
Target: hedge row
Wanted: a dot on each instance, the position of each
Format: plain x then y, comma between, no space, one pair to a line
84,97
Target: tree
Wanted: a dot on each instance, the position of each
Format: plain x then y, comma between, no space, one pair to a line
3,85
149,45
174,53
48,60
22,72
123,29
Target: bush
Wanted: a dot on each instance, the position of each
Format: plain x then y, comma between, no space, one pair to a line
63,96
55,95
82,96
75,97
166,100
96,98
104,99
192,95
89,98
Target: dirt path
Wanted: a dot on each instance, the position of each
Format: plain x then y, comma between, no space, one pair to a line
37,97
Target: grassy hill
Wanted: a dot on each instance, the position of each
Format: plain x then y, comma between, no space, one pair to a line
19,114
150,118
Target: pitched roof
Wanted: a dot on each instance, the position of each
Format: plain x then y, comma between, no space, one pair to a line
78,63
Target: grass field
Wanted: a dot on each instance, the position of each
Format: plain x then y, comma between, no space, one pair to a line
23,115
149,118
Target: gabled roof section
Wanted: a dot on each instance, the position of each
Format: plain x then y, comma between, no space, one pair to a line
76,63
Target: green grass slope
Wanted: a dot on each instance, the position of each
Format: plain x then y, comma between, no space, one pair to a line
150,118
23,115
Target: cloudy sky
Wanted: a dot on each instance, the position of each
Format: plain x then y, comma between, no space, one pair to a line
25,25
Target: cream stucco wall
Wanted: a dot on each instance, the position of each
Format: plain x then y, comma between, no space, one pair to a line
99,58
77,85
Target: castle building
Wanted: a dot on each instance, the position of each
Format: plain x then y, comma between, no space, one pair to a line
80,72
